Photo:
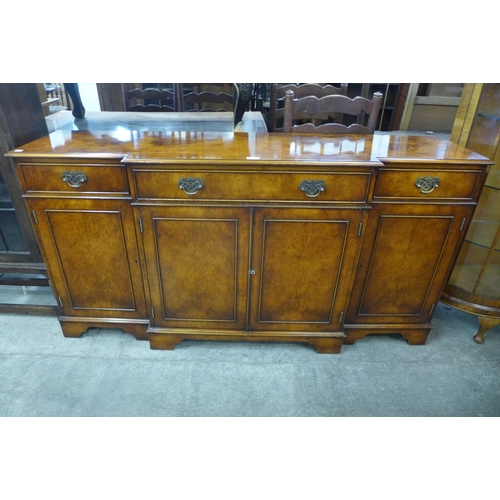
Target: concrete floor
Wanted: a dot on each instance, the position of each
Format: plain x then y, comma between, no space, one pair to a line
109,373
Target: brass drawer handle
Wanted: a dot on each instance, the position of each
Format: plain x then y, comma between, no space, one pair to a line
74,179
427,184
191,185
312,188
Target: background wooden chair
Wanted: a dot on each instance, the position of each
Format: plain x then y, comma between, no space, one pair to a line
149,96
325,108
277,95
205,96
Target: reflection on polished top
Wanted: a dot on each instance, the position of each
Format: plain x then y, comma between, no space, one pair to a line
235,147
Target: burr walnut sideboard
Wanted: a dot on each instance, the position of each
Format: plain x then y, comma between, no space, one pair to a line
248,236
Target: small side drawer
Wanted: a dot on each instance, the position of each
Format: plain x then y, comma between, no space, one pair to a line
77,179
423,184
252,186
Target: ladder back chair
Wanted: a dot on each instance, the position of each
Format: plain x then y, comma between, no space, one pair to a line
149,97
205,96
277,95
325,107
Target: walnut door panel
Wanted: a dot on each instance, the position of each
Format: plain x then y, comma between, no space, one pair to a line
301,268
197,262
405,257
93,256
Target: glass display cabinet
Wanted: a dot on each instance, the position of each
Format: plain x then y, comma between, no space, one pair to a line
474,284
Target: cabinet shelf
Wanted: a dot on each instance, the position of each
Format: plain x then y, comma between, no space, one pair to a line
483,233
481,245
465,277
493,180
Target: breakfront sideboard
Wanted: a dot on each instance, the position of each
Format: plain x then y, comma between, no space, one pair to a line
247,236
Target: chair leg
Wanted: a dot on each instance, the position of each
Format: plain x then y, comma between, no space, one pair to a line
485,325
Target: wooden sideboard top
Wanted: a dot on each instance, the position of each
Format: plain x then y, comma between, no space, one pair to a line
239,147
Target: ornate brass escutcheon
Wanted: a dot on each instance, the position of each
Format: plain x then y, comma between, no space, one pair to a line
312,188
191,185
427,184
74,179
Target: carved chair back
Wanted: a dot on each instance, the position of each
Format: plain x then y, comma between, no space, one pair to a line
327,107
149,97
277,95
205,96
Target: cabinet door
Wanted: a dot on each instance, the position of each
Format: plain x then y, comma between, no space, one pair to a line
91,249
197,263
405,258
302,264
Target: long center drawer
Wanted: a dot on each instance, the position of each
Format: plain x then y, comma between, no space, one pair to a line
171,184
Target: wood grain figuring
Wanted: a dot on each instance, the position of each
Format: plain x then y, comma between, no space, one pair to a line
94,260
297,275
198,263
190,289
224,185
249,237
403,265
248,149
405,244
302,261
401,184
100,178
78,238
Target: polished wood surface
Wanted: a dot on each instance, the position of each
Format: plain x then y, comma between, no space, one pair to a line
303,260
118,140
197,258
248,236
93,254
404,244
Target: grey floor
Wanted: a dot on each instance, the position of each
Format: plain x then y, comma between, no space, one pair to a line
109,373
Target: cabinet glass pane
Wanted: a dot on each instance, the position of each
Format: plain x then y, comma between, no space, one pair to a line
483,233
488,208
490,100
493,179
480,237
468,266
489,285
483,137
11,236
